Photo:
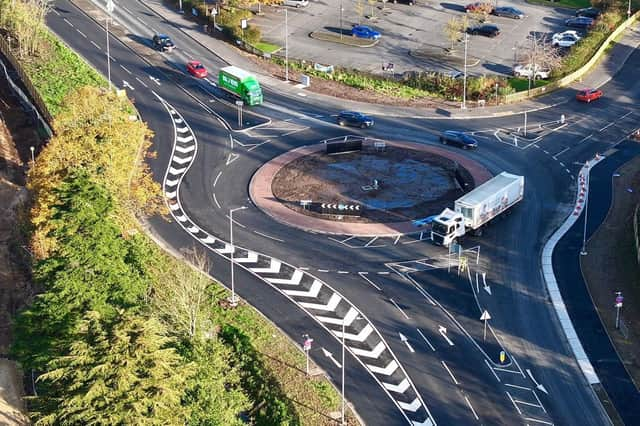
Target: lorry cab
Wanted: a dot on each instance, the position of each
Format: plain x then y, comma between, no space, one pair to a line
446,227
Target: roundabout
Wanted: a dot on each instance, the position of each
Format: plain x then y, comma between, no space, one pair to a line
376,189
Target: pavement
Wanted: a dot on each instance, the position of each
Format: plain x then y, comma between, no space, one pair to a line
599,75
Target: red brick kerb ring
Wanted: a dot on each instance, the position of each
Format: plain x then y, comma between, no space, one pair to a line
263,197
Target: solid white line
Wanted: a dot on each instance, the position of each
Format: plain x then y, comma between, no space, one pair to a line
362,274
513,402
216,200
607,126
56,12
124,68
81,33
506,371
269,236
538,421
518,365
527,403
625,116
397,238
450,373
97,47
371,241
67,21
471,407
216,180
492,370
426,340
398,307
539,402
561,152
517,387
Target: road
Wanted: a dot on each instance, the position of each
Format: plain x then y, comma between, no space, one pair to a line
415,348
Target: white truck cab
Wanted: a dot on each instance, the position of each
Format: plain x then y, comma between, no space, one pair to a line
446,227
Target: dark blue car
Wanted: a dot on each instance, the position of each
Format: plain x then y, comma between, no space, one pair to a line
457,138
362,31
355,119
579,22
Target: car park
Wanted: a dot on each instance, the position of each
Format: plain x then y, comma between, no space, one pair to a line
196,69
565,39
354,119
588,95
530,71
579,22
487,30
509,12
589,12
296,3
363,31
162,43
458,138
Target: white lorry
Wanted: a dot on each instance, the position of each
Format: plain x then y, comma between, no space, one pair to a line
478,207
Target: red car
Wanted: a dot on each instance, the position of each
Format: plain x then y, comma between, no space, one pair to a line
479,7
196,69
588,95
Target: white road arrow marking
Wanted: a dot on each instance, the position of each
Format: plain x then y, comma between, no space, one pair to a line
312,292
374,353
386,371
484,281
538,385
126,84
404,340
272,269
232,157
443,332
360,337
352,314
330,356
399,388
330,305
413,407
294,280
252,257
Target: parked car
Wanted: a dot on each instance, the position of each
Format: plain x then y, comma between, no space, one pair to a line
530,71
589,12
362,31
296,3
479,7
196,69
565,39
579,22
487,30
509,12
460,139
355,119
588,95
162,43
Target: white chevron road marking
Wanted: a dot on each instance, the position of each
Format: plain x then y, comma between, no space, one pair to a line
294,280
427,422
374,353
272,269
360,337
177,120
174,206
312,292
386,371
171,182
182,218
182,129
330,306
227,249
184,150
181,160
193,229
174,171
208,240
399,388
352,314
171,194
413,407
184,139
252,257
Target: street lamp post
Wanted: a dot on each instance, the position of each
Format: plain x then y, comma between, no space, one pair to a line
629,10
286,46
33,157
233,301
496,94
110,7
340,19
464,83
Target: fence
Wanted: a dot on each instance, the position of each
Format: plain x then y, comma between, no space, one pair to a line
34,95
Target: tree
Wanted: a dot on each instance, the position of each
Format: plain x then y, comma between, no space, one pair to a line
125,372
454,30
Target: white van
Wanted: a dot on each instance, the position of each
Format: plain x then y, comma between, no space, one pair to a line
296,3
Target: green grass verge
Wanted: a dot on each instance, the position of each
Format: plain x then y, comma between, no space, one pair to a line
520,84
266,47
574,4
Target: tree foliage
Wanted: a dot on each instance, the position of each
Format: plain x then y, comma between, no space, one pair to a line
117,373
24,19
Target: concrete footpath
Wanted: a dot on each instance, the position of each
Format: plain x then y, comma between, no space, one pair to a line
599,75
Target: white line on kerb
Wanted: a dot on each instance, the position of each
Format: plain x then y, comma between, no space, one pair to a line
269,236
398,307
94,43
492,370
450,373
426,340
471,407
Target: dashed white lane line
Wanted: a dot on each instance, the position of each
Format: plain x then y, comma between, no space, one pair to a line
215,199
383,273
471,407
95,45
216,179
450,373
343,272
269,236
398,308
303,268
81,33
555,156
363,276
67,21
323,270
514,403
427,340
56,12
125,68
607,126
126,10
586,138
141,82
493,371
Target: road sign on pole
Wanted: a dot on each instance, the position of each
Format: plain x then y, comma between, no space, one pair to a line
618,306
485,317
503,357
306,345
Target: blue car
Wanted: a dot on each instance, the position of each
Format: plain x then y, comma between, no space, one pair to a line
355,119
460,139
362,31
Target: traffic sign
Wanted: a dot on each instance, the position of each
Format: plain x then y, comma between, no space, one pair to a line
307,343
619,300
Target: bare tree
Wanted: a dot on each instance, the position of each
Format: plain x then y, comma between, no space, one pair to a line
539,54
454,30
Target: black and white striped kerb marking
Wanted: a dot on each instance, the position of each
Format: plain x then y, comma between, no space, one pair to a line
325,305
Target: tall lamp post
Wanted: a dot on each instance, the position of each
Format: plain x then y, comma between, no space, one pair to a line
464,83
110,8
233,301
340,19
286,46
629,10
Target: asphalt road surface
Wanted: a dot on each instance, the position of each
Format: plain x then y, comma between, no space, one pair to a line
416,350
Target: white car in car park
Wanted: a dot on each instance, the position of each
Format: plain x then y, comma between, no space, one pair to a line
530,71
565,39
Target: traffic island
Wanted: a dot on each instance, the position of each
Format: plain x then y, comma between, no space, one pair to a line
345,38
378,188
